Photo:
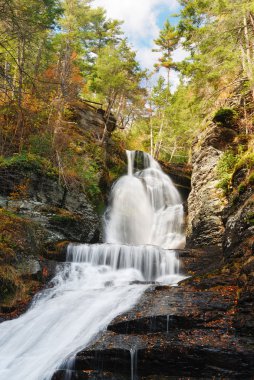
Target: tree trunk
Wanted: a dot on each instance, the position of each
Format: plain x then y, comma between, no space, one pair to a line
173,151
159,142
247,44
151,137
107,116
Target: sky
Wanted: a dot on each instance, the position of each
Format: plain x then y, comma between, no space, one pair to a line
143,20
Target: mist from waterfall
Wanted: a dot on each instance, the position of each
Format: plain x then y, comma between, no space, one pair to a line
98,282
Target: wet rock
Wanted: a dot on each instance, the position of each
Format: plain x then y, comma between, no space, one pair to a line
181,177
194,353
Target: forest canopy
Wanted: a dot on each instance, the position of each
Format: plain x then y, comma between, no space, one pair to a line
55,53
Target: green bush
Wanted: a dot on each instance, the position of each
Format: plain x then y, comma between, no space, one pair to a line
225,169
230,163
246,160
41,145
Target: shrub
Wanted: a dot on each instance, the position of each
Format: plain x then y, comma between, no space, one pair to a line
225,169
41,145
246,160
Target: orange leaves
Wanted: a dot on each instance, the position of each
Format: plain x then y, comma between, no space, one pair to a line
20,191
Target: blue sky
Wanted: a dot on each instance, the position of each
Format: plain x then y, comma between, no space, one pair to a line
143,20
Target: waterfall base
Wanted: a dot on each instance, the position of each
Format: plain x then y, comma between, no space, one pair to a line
177,333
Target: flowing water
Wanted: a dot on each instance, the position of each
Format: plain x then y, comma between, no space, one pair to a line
145,207
99,282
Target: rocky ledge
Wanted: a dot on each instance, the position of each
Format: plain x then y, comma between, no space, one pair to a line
175,332
38,217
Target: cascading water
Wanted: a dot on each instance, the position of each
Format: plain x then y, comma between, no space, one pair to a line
99,282
146,208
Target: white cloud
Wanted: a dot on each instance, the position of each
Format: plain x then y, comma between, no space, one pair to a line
139,16
141,26
180,54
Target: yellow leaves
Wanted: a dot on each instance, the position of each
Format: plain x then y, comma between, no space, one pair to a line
20,191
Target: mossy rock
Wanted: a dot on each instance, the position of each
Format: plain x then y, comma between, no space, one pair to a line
10,281
28,162
226,117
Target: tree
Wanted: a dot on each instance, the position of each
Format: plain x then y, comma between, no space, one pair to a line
117,77
23,25
167,41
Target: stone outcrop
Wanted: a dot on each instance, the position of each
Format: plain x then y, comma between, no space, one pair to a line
63,213
181,177
225,220
238,245
92,119
206,201
38,217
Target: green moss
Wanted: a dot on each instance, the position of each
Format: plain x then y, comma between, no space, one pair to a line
63,219
29,162
225,117
230,163
245,161
241,188
250,179
225,169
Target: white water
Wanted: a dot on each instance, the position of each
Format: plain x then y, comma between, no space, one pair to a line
99,282
146,208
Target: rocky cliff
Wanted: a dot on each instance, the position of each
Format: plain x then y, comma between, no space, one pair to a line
206,201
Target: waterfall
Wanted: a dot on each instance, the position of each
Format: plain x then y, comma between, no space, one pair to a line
145,207
143,223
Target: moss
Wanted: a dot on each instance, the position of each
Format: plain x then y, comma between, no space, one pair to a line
225,169
63,219
250,218
250,179
29,162
241,188
10,282
225,117
231,163
245,161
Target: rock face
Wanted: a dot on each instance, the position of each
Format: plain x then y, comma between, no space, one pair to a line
226,222
238,247
92,119
206,202
36,225
181,177
64,214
